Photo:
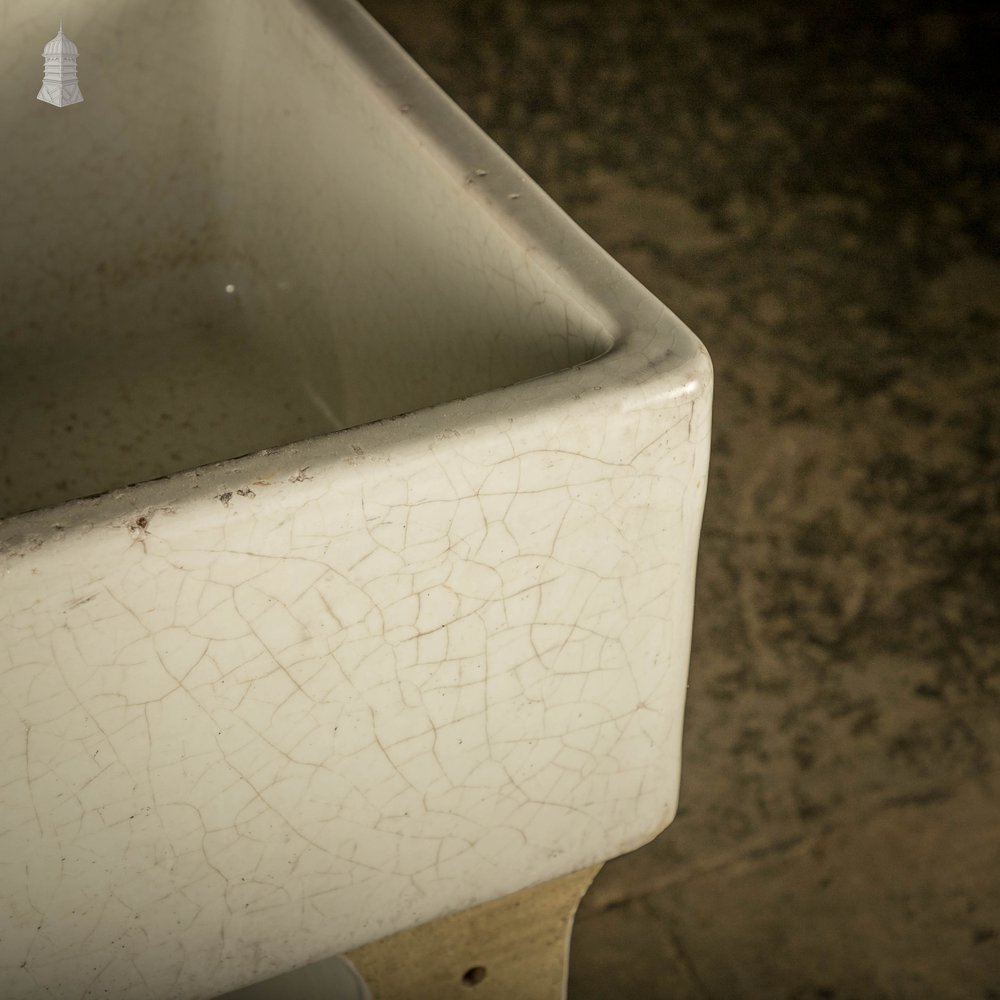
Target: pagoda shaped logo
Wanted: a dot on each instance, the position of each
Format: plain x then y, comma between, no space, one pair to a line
60,86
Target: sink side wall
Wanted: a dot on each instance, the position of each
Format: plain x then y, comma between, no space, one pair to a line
379,270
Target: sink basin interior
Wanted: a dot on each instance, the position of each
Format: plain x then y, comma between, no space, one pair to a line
210,256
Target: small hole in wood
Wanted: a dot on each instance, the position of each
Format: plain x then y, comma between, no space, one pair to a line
474,976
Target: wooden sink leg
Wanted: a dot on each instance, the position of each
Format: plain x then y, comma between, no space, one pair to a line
514,947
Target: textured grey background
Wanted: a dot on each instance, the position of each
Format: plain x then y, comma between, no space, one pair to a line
814,191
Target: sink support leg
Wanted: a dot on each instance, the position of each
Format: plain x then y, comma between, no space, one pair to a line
517,946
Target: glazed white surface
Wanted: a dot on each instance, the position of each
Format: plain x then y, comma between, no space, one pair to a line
268,710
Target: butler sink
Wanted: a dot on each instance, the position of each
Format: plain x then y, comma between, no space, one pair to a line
349,502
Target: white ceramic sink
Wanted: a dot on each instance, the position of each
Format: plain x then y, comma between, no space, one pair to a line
377,601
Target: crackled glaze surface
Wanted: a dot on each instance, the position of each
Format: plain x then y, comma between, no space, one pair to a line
269,710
